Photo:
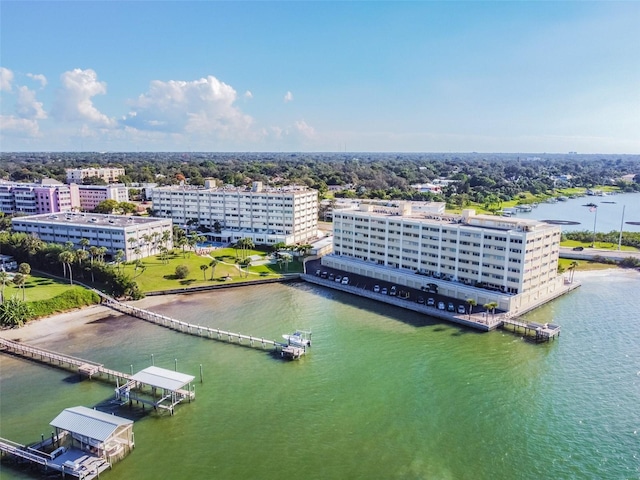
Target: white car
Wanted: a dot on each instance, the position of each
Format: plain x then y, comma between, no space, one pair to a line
376,289
441,306
345,280
461,309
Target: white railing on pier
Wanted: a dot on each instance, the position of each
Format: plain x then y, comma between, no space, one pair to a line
189,328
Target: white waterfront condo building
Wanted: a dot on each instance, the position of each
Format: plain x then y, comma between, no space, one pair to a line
137,237
265,215
511,261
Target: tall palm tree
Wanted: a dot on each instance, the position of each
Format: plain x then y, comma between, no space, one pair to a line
84,243
93,253
66,258
132,241
472,303
4,279
572,267
492,307
213,264
119,257
19,280
204,267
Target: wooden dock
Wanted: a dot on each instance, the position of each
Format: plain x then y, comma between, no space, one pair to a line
540,332
85,367
48,461
285,350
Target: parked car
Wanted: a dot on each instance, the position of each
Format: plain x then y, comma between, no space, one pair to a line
578,249
451,307
431,302
384,291
338,278
345,280
420,299
461,309
332,276
323,275
440,305
376,289
393,290
318,273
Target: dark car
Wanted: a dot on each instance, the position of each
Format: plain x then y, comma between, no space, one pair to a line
578,249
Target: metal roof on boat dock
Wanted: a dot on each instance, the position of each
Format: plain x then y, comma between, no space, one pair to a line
90,423
162,378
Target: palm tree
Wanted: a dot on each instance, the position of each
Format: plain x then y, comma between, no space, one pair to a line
119,257
213,264
132,240
472,303
102,251
491,306
166,237
572,267
84,242
93,253
19,280
204,267
4,279
182,242
66,258
81,256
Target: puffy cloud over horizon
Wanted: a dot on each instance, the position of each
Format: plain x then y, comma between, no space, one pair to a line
73,100
203,106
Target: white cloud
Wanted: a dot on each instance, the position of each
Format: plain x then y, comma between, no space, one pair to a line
38,78
19,126
73,101
288,97
204,106
305,129
6,78
27,106
248,95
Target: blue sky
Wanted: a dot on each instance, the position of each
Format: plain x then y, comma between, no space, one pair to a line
449,76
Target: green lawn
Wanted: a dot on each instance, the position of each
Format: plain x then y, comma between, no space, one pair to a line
160,276
584,265
39,287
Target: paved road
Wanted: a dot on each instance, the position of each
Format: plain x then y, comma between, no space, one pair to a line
590,253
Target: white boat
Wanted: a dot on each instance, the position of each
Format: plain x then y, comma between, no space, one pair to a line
299,338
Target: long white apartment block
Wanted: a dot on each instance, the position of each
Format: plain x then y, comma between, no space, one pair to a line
137,237
512,261
108,174
265,215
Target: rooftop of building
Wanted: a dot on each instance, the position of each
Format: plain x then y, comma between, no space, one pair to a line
233,189
407,210
72,218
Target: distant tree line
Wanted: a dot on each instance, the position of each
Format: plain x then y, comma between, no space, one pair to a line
374,175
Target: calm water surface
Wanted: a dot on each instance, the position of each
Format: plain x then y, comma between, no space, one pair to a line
383,394
609,215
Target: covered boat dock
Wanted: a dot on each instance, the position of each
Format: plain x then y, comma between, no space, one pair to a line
165,387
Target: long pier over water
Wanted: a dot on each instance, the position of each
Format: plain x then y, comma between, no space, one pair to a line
200,331
85,367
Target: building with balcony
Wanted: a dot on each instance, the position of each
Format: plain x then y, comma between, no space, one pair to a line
265,215
49,196
137,237
511,261
91,196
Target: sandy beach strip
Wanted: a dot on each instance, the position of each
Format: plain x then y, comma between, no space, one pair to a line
60,324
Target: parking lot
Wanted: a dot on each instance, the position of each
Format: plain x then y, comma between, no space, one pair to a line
428,297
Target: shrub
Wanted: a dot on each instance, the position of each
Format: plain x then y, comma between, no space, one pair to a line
182,271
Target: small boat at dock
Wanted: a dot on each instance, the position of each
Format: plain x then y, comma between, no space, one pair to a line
299,338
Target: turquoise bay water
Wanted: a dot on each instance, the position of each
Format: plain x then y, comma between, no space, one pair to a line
383,394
